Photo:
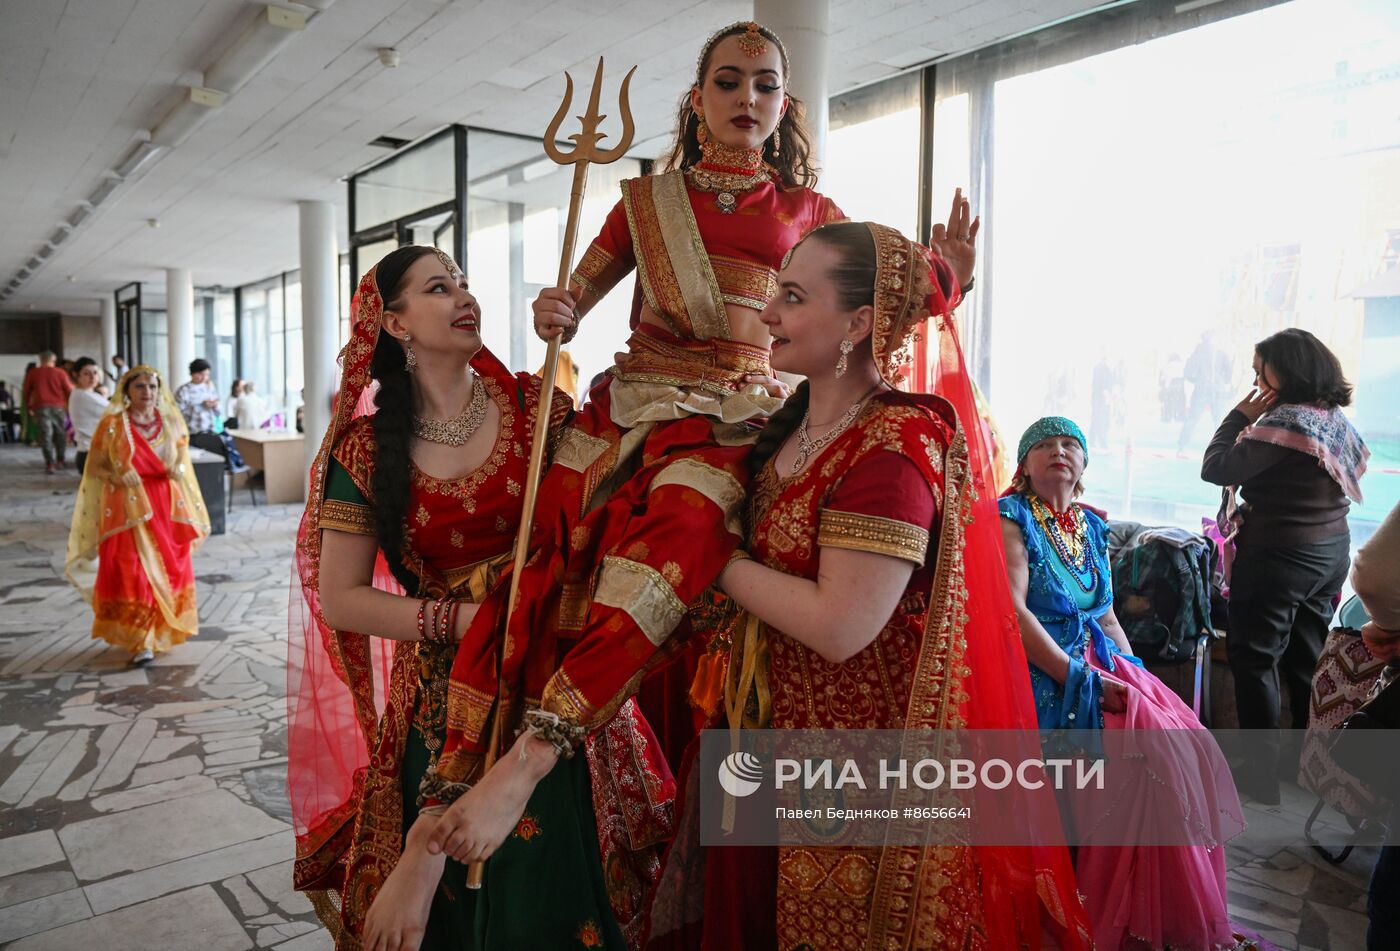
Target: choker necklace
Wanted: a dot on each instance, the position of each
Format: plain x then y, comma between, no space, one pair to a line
455,431
728,172
807,447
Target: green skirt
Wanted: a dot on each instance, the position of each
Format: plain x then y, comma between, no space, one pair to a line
543,887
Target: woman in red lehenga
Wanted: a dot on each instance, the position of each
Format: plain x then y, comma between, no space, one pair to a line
874,600
413,508
139,513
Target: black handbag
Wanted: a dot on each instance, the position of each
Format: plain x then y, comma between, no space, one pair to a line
1357,746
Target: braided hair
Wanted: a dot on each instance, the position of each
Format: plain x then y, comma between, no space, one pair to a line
393,422
854,277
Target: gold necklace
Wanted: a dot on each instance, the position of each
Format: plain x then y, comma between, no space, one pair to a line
728,172
455,431
807,447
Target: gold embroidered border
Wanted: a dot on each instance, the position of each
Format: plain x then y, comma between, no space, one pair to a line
573,606
341,516
901,904
746,283
872,533
672,262
643,593
598,271
563,697
577,450
718,486
468,709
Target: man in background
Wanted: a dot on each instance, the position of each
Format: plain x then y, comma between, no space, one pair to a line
46,390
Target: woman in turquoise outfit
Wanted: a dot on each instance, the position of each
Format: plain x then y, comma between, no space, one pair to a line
1085,678
1063,552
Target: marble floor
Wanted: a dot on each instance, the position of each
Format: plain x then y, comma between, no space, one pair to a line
147,809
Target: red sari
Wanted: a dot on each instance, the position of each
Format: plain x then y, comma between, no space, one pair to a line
144,594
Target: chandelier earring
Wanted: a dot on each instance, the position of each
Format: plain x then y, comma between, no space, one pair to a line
841,362
702,130
777,142
410,362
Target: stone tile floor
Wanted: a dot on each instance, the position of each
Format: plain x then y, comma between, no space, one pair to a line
144,808
147,808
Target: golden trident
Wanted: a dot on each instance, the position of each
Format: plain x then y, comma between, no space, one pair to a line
584,153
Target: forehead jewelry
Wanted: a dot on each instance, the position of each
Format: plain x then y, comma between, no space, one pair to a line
752,41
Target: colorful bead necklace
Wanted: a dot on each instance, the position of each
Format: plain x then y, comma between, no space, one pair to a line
1068,533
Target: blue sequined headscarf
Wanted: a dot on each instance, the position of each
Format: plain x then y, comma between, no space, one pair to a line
1045,428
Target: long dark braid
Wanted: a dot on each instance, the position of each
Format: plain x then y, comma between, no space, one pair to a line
778,428
393,422
854,277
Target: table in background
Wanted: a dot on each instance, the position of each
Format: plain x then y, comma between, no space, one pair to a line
281,456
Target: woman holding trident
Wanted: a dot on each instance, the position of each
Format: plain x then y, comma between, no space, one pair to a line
543,822
640,512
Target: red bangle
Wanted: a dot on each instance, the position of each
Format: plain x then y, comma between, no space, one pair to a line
422,607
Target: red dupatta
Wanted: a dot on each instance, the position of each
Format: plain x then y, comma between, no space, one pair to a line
1019,881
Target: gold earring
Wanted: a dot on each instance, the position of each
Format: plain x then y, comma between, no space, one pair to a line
702,131
777,142
846,348
410,362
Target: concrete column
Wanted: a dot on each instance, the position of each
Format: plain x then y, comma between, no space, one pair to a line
319,317
109,332
179,323
804,26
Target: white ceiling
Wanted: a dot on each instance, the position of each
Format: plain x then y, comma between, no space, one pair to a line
79,79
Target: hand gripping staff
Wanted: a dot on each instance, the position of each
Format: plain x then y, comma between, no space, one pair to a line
584,153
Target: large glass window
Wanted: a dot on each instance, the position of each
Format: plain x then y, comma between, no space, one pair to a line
1153,210
418,178
215,335
517,207
872,154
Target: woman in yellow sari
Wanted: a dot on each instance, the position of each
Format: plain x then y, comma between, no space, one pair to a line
139,514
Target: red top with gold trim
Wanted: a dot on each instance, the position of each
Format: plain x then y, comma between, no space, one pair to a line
744,247
878,488
896,483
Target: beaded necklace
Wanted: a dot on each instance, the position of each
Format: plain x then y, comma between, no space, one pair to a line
1068,533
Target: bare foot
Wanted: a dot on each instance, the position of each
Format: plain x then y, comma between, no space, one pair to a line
476,824
399,915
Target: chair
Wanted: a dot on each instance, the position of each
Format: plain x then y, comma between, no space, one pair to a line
211,442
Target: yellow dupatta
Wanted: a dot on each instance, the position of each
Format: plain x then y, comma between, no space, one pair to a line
106,506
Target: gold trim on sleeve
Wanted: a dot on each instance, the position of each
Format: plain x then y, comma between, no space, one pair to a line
348,517
595,269
642,592
872,533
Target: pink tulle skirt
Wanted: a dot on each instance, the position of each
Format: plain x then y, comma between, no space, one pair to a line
1155,896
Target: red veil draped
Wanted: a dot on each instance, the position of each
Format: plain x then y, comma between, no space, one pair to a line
336,679
1018,882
